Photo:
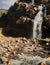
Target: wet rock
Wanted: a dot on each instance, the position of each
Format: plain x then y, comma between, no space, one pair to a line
24,51
10,62
47,62
4,59
24,45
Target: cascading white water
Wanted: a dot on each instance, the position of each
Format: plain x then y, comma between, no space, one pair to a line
45,12
37,26
32,3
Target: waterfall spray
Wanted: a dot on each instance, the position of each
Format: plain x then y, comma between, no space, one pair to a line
32,3
37,26
45,11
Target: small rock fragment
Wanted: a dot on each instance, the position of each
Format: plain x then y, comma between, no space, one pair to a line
10,62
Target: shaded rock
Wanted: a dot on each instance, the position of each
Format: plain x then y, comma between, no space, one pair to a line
24,51
4,59
46,27
37,2
20,17
44,1
27,1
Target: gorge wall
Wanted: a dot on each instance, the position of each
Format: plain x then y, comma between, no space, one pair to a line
20,16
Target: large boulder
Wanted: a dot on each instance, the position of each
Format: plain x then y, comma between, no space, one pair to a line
20,17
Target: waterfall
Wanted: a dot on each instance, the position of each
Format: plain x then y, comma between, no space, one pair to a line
37,25
45,11
32,3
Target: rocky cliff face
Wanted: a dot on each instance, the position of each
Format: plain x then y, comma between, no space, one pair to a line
20,18
46,23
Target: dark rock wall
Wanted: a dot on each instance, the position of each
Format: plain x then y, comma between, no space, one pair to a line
19,19
46,23
20,23
28,1
48,9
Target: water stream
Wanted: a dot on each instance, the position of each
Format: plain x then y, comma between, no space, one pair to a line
37,25
32,3
45,11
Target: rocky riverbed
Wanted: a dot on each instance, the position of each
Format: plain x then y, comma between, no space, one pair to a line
18,22
23,51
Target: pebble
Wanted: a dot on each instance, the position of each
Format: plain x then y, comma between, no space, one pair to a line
47,44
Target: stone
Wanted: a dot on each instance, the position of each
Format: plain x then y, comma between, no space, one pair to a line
4,59
10,62
43,63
